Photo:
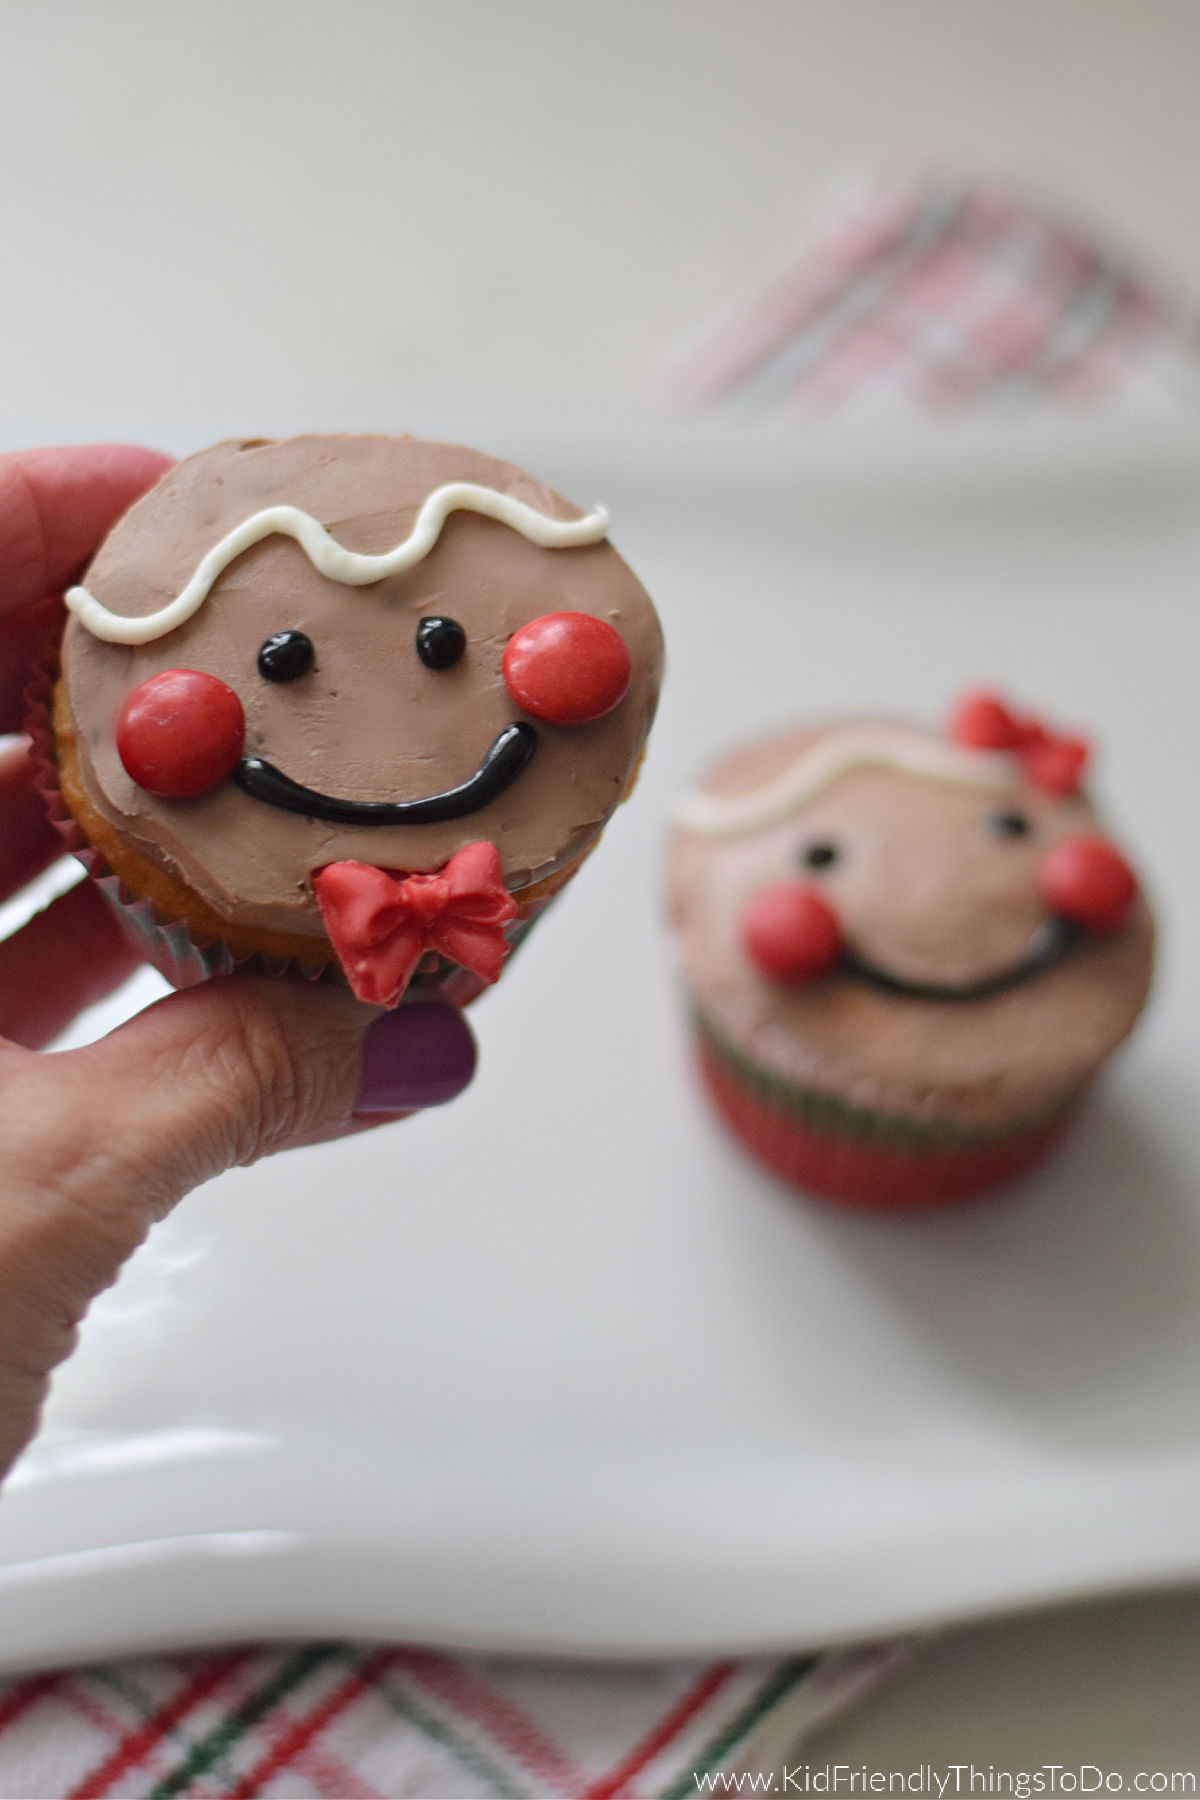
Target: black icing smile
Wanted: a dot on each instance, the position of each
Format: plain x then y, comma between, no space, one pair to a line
510,752
1049,945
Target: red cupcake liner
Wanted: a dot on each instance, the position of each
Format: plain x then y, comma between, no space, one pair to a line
860,1173
169,946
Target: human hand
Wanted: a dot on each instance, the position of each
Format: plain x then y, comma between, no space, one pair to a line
98,1143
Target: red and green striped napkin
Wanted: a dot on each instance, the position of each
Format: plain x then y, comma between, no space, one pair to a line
351,1722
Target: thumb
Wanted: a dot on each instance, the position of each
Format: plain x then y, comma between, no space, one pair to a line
97,1143
234,1069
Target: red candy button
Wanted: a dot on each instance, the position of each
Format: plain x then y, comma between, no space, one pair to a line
790,932
981,721
180,733
1057,767
1084,879
566,668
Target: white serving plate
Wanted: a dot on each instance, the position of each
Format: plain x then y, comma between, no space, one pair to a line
556,1368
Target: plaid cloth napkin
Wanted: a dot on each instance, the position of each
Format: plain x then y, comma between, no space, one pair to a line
343,1722
946,295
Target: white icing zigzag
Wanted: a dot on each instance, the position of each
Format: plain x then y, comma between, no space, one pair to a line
854,746
351,567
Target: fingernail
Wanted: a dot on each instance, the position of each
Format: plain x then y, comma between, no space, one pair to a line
420,1055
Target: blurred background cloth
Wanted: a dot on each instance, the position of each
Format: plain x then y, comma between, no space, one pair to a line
945,294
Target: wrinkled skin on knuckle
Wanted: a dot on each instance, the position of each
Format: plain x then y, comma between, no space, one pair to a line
264,1070
39,1328
22,1395
65,1187
273,1079
68,1220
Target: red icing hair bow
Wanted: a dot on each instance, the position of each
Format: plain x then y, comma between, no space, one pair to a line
981,721
381,925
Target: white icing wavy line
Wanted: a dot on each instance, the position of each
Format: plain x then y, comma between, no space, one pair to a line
351,567
835,753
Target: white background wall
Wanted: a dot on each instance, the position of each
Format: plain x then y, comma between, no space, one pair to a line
262,213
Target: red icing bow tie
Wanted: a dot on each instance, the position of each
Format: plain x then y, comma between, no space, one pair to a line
381,925
981,721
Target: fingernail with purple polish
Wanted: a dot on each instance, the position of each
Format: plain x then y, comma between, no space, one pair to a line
420,1055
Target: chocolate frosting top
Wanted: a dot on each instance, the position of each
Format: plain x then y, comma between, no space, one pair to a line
370,721
927,889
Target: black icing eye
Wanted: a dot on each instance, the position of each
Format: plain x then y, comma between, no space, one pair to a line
819,856
285,656
440,642
1009,824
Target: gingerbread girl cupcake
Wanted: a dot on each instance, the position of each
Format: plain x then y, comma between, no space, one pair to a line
908,952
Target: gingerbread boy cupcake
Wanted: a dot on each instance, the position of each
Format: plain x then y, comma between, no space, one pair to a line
358,704
908,952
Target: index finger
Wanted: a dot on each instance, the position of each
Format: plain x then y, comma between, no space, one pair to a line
55,507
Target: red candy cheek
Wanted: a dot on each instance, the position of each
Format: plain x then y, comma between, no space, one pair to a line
180,733
1086,880
790,933
566,668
